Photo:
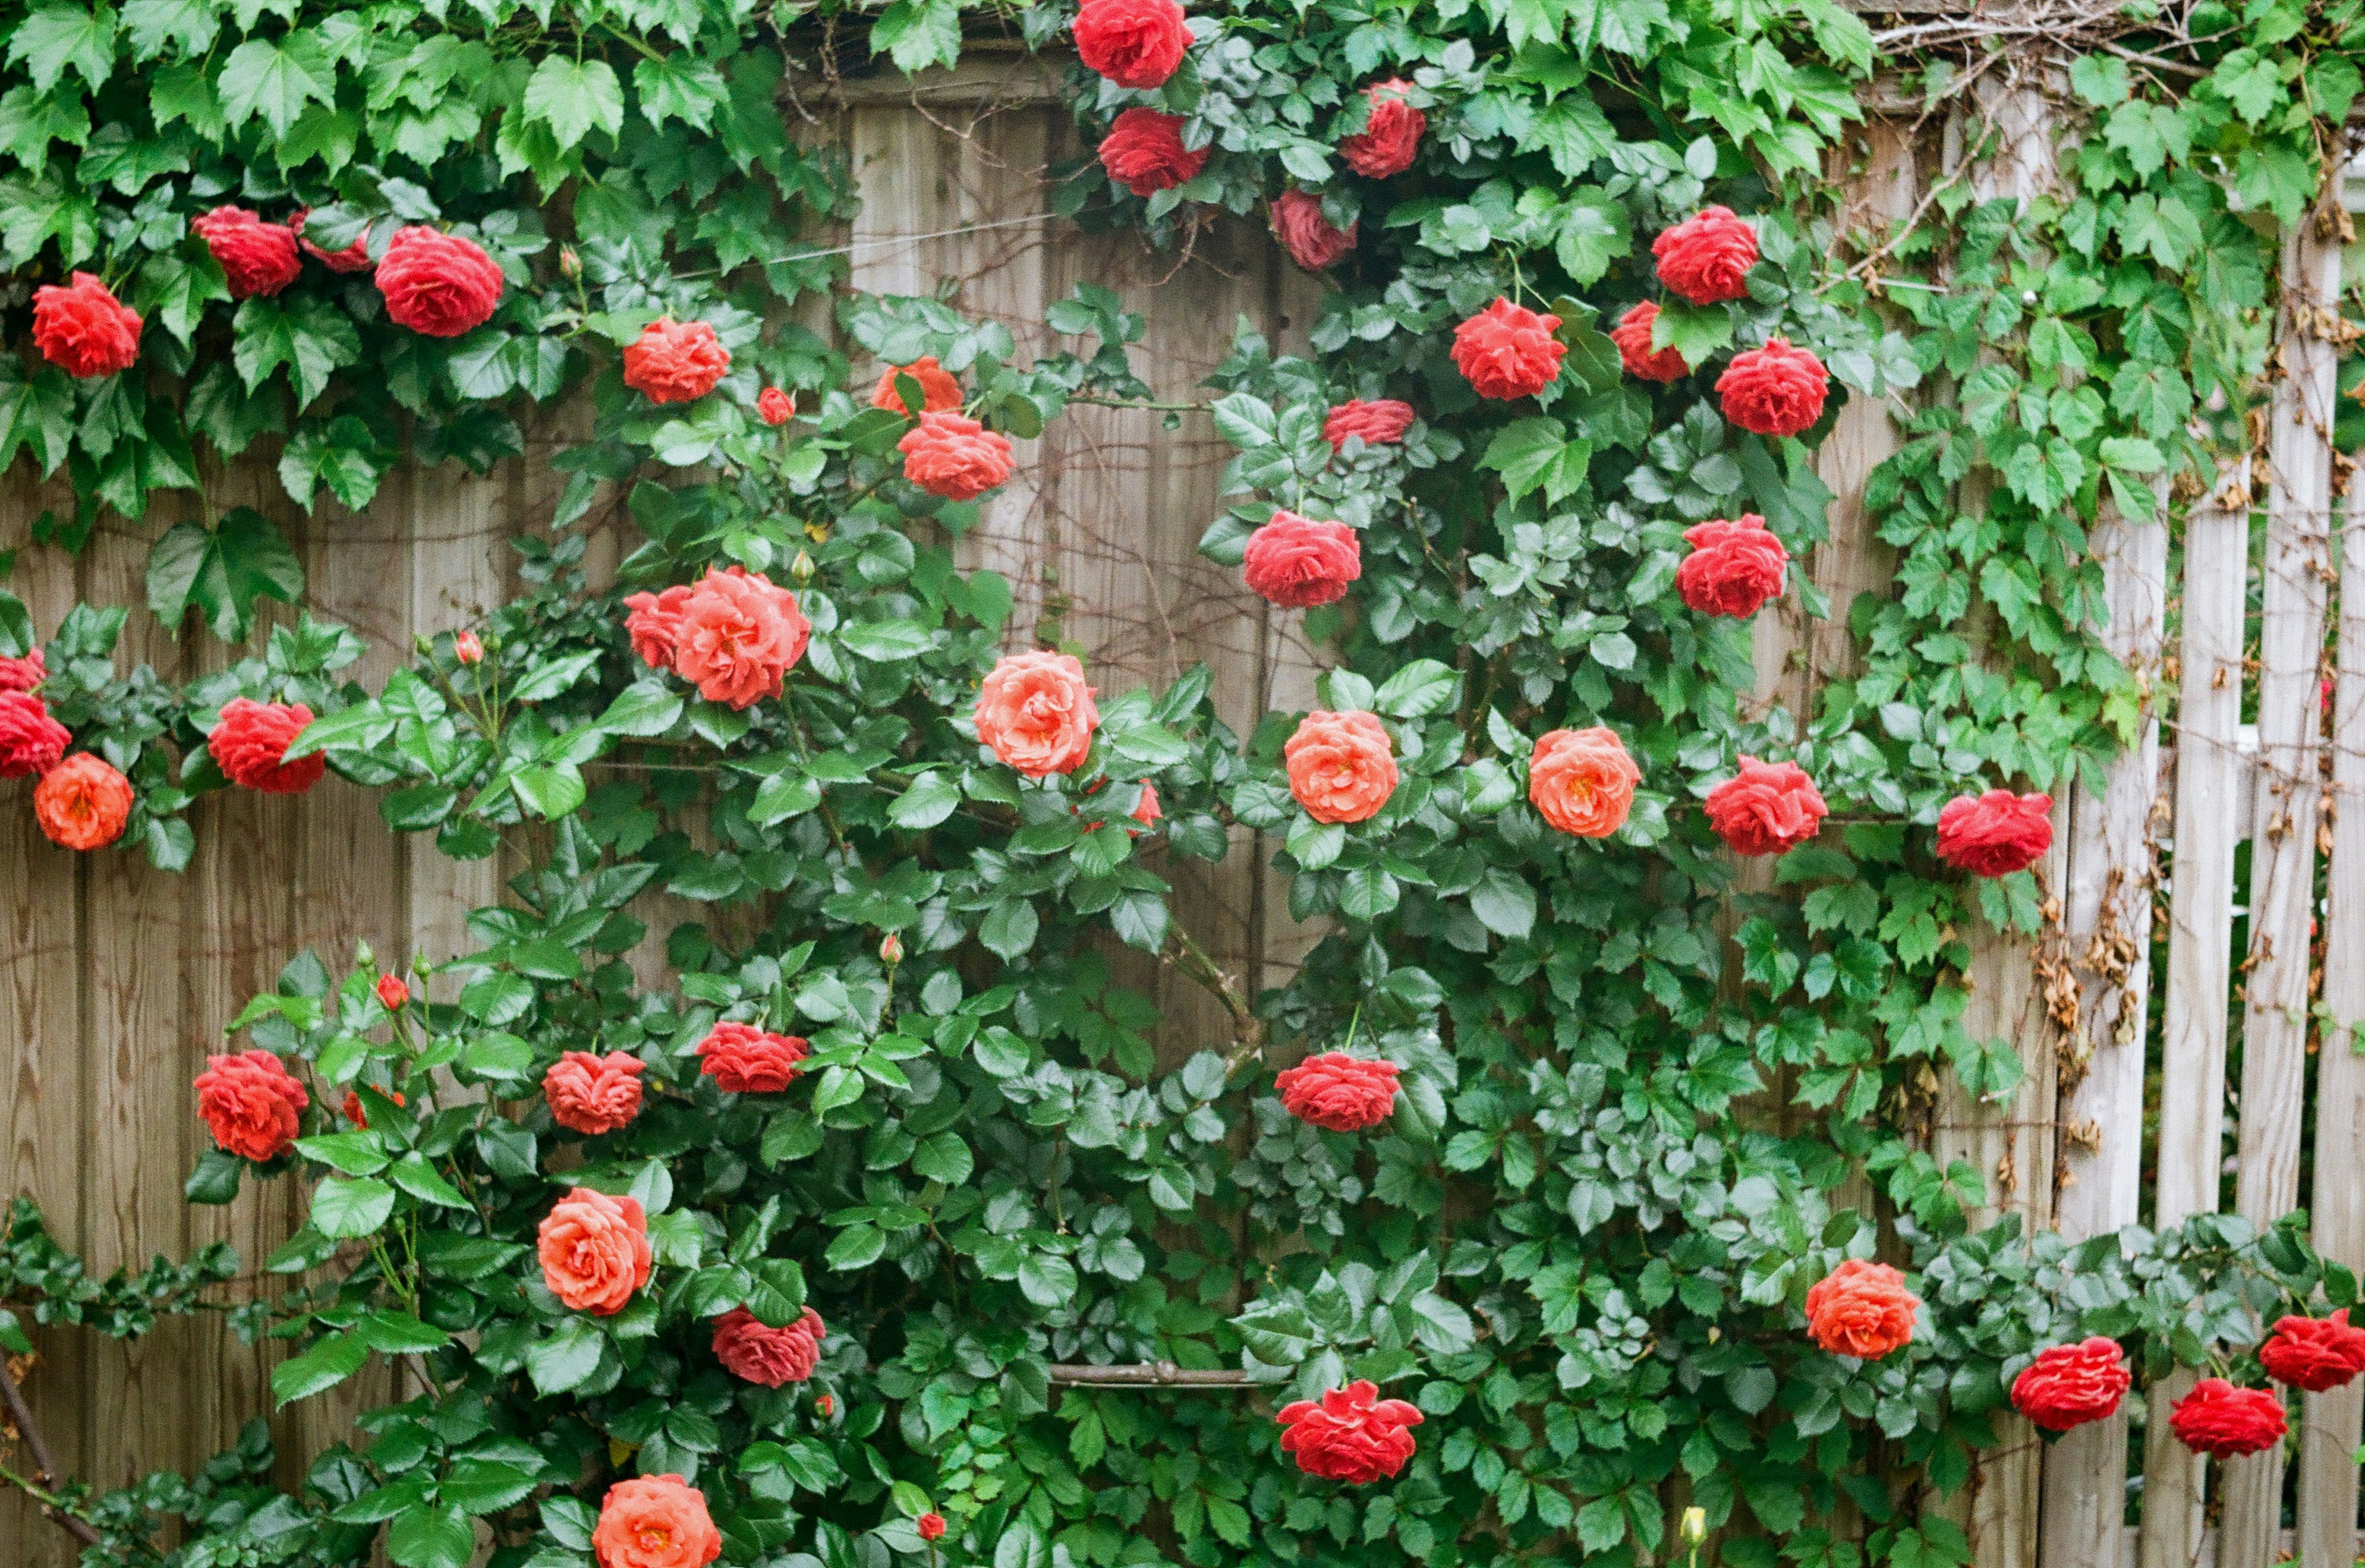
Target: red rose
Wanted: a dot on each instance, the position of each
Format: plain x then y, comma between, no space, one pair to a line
2218,1418
769,1356
83,328
1134,43
251,1103
353,258
82,802
392,994
30,741
1734,568
1381,422
954,456
26,673
1776,390
1296,561
1350,1435
256,257
652,621
251,739
1632,336
1861,1309
1306,234
2318,1354
1390,136
1144,152
930,1526
1996,834
1340,1092
1509,351
674,362
1766,808
775,406
940,393
1145,810
744,1059
437,284
2069,1385
353,1105
593,1095
1707,257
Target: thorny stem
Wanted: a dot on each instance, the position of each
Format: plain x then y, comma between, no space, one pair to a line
1185,953
40,1485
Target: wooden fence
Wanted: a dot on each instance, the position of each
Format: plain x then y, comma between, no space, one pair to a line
114,980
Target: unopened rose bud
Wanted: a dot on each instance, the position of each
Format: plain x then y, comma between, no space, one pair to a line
467,649
570,265
800,570
890,949
392,992
932,1525
824,1407
1695,1526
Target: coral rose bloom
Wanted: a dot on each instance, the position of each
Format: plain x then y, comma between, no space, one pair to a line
1776,390
2218,1418
1632,336
775,406
252,738
1766,808
1583,781
1996,834
1380,422
82,802
1134,43
2069,1385
655,1521
1707,257
1144,152
437,284
256,258
26,673
250,1103
1507,351
674,362
940,393
1308,237
1296,561
593,1094
83,328
2318,1354
1351,1434
1342,767
1861,1309
744,1059
1390,136
954,456
1340,1092
652,621
1736,564
353,258
738,637
1036,713
30,741
594,1250
769,1356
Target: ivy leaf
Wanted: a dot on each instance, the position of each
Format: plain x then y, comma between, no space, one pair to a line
275,81
152,24
1538,452
55,37
573,99
680,86
222,571
343,454
1694,332
310,336
918,34
1594,232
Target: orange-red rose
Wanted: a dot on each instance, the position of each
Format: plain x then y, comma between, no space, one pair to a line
1309,237
652,621
251,1104
1861,1309
775,406
769,1356
1766,808
655,1521
1583,781
353,258
1351,1434
674,362
1296,561
252,738
938,391
1036,713
354,1112
1776,390
1736,564
2218,1418
437,284
1996,834
1342,767
1707,257
593,1094
393,994
1509,351
594,1250
1632,336
1391,136
2318,1354
954,456
83,328
1134,43
26,673
735,636
1340,1092
930,1526
2069,1385
1380,422
1144,152
30,741
256,258
82,802
744,1059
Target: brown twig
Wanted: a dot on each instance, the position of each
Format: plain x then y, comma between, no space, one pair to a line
1145,1374
1186,955
42,1484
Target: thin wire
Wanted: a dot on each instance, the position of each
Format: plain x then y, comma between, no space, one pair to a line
848,250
